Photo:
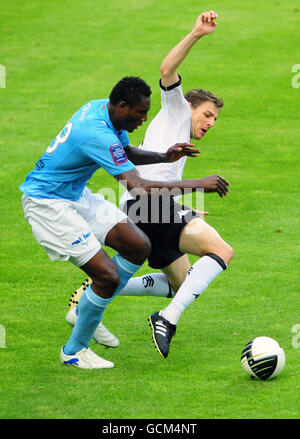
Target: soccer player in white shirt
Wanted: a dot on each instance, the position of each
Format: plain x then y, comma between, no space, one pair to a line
180,118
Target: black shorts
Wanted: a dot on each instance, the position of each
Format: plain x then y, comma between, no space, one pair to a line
162,221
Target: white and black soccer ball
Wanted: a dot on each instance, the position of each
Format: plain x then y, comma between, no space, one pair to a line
263,358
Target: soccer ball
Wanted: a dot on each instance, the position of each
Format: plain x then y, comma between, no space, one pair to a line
263,358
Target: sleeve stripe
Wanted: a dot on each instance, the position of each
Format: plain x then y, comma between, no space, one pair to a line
170,87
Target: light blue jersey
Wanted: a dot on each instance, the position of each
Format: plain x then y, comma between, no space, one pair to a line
88,142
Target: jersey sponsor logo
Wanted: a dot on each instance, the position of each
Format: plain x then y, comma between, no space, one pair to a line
82,239
118,154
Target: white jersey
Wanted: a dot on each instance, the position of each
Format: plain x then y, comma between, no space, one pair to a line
171,125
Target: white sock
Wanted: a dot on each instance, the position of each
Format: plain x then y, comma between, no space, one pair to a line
153,284
200,275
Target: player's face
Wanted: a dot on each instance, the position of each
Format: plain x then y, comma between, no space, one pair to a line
135,116
203,118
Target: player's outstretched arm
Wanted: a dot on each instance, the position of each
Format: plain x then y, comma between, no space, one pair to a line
137,185
204,25
140,156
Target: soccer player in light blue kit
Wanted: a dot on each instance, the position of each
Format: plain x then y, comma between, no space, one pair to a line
181,117
71,223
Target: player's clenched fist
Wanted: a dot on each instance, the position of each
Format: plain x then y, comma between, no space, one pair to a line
205,24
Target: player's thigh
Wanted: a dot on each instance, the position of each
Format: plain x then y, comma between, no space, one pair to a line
177,271
113,228
199,238
101,215
59,228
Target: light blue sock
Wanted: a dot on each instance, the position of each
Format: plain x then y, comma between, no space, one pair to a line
90,310
126,270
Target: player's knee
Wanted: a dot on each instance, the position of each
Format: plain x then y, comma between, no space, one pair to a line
136,248
145,248
107,283
231,253
224,251
228,253
214,244
141,250
132,244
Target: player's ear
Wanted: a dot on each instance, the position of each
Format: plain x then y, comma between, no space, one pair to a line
122,107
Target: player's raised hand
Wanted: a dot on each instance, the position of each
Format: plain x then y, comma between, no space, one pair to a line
180,150
205,24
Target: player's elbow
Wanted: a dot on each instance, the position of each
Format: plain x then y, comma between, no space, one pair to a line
135,184
168,75
165,72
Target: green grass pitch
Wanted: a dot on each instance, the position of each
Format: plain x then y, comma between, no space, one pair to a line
60,54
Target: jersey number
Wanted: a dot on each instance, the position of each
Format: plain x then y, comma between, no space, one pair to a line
61,138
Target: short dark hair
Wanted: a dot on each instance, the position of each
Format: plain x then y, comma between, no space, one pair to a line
129,89
197,95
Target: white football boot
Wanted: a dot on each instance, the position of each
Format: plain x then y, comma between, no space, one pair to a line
85,359
101,335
